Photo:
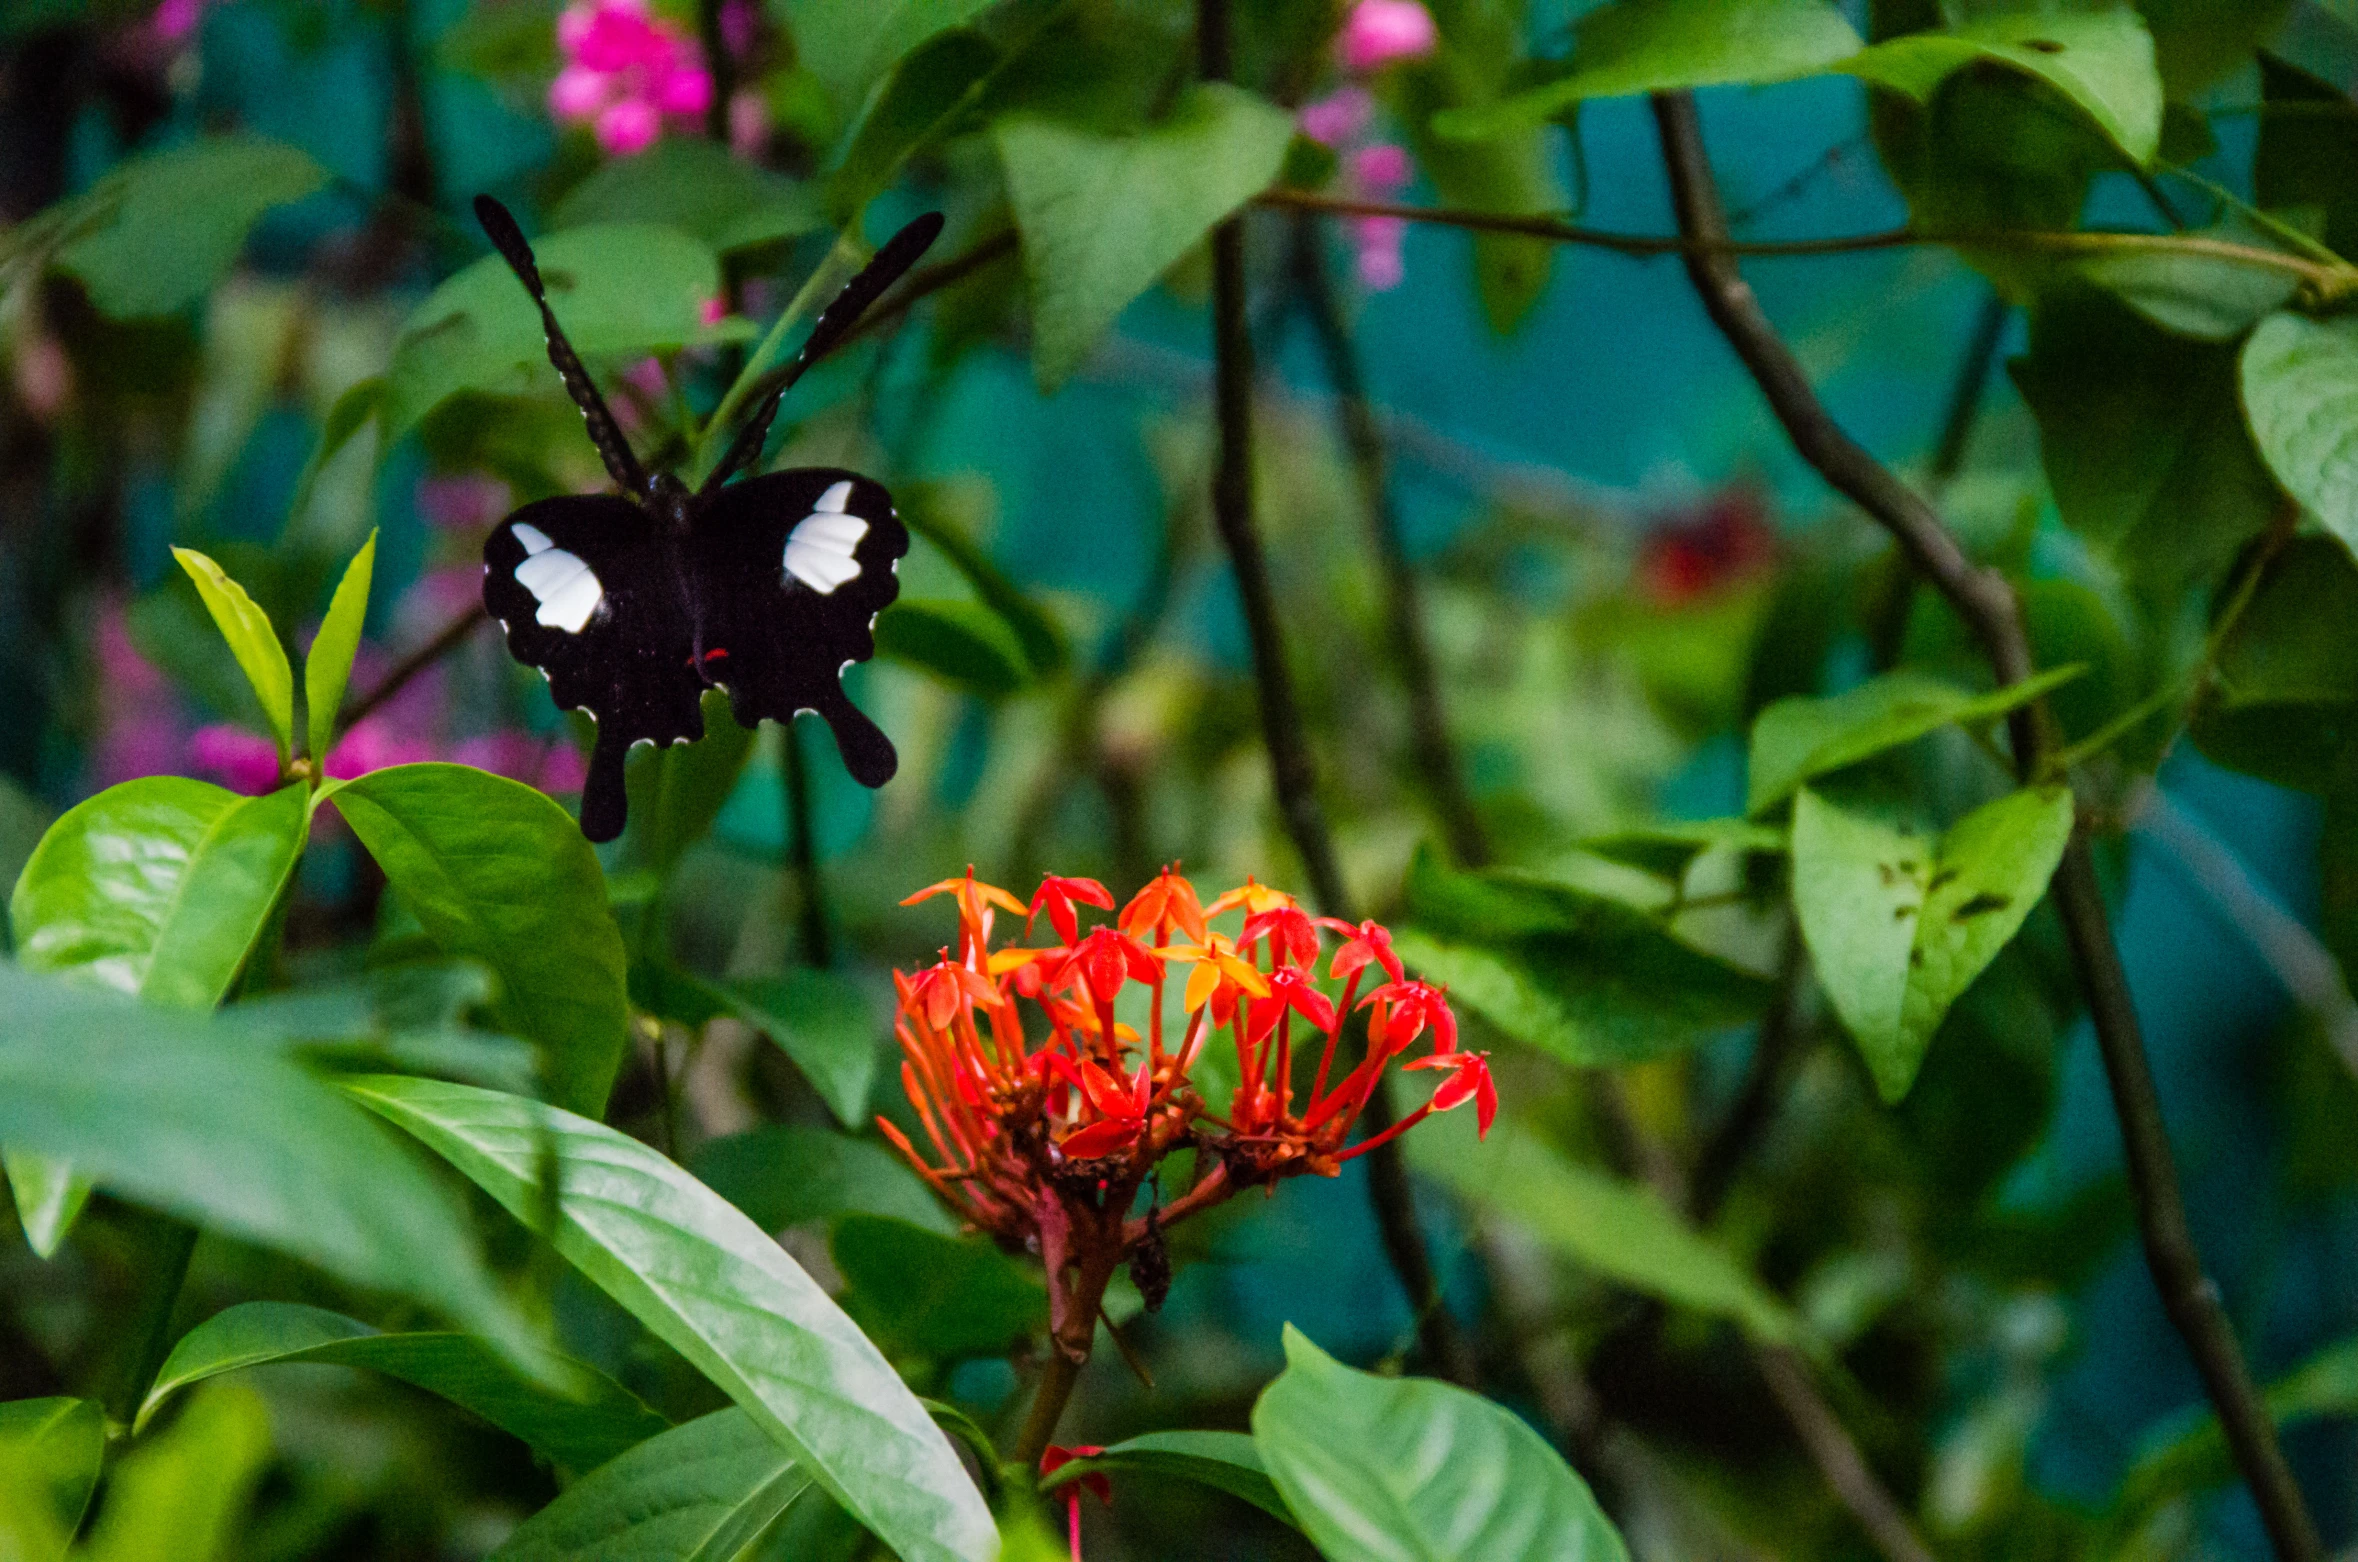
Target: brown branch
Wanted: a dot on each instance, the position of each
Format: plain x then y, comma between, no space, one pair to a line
446,640
1986,602
1293,776
1429,743
2328,279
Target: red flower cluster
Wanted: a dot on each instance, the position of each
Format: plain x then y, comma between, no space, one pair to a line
1046,1110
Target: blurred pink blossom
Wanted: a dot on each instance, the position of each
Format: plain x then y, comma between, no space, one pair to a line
174,20
1381,167
373,745
464,501
141,730
712,311
552,764
1339,116
240,760
1379,32
625,69
1378,241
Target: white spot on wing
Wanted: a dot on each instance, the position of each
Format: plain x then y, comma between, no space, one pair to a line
563,586
819,549
534,539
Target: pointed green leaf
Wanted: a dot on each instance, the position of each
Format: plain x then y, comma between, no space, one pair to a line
1410,1470
1802,737
184,1493
166,226
198,1116
1224,1461
498,873
327,666
1620,1230
1104,216
50,1454
2300,393
2102,60
1641,46
252,641
159,887
713,1286
703,1492
1898,926
597,1421
927,94
826,1024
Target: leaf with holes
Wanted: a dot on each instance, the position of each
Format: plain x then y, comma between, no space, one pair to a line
1898,926
577,1431
1410,1470
713,1286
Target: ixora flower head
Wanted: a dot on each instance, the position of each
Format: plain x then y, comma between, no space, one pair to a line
1046,1115
626,69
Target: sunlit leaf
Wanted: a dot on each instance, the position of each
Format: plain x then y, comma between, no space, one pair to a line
327,666
50,1453
1800,738
184,1493
498,873
1898,927
165,227
703,1492
1411,1470
1104,216
251,639
714,1287
595,1421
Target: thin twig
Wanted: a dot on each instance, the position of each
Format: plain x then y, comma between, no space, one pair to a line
1837,1456
1985,600
1429,743
446,640
1294,778
2329,277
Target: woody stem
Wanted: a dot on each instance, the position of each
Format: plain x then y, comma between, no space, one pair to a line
1068,1350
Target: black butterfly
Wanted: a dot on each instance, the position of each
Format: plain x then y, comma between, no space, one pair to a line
632,605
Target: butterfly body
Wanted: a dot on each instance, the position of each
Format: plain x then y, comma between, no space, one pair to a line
633,604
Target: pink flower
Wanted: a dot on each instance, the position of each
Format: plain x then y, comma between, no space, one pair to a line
240,760
1378,240
579,92
1381,167
1339,116
684,90
712,312
174,20
1379,32
629,127
373,745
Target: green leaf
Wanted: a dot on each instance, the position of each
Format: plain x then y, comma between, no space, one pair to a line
697,187
2300,391
195,1115
1103,216
1591,980
159,887
677,790
928,511
962,643
2102,60
1618,1229
703,1492
621,290
498,873
1224,1461
2196,42
1669,847
1410,1470
2283,695
710,1284
2308,145
850,44
175,221
919,1292
327,666
50,1454
826,1024
783,1175
185,1493
600,1420
2143,442
2206,297
1640,46
252,641
926,95
1898,928
1800,738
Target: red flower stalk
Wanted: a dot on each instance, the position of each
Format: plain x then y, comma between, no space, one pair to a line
1042,1114
1054,1459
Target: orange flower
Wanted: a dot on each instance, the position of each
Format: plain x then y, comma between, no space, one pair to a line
1220,975
1254,897
1469,1080
942,989
1167,901
1056,896
1292,934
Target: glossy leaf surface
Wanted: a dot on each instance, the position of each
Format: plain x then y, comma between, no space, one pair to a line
498,873
579,1431
703,1492
252,640
1224,1461
714,1287
327,666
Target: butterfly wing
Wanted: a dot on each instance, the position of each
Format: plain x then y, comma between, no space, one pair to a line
591,593
792,570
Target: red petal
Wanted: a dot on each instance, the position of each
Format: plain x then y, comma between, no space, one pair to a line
1485,1105
1087,1144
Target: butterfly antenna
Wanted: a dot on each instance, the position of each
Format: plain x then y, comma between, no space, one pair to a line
604,432
835,323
